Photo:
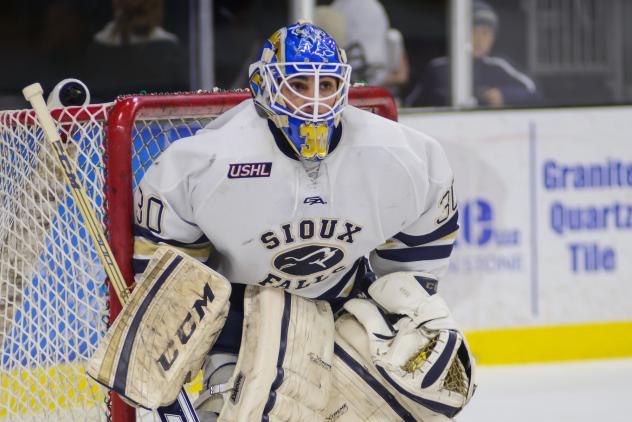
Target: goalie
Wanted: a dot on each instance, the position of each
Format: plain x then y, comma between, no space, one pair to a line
320,208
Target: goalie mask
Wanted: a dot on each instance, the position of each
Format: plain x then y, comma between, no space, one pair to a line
301,83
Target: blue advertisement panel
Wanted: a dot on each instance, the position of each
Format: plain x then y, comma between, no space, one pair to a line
545,202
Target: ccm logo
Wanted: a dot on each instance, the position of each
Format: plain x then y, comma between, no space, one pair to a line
242,170
186,329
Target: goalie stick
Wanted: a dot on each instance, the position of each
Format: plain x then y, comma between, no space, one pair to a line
181,409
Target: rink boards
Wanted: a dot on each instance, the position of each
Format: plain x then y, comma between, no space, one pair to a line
545,207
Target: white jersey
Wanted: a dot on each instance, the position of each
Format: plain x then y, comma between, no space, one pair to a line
384,193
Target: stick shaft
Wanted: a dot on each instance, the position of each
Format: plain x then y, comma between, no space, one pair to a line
33,94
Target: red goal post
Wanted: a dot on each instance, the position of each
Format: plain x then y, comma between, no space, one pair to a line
113,145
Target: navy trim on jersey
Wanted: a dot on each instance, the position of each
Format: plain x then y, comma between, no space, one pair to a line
120,378
340,285
149,235
376,385
335,138
420,253
411,240
278,380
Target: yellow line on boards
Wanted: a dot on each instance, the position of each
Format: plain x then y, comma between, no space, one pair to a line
551,343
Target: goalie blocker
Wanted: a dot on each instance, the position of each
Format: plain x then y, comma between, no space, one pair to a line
161,337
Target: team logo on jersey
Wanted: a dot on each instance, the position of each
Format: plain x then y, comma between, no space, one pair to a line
307,252
243,170
308,259
308,229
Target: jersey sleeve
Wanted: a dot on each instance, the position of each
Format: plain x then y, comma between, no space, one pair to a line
163,211
426,243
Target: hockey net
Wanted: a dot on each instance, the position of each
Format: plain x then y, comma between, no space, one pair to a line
55,303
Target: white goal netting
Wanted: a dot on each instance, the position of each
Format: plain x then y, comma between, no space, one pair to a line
53,298
54,301
53,308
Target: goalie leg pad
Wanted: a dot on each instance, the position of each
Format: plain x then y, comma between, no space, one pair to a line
160,339
283,371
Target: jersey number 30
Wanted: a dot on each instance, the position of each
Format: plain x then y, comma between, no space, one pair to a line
149,212
447,205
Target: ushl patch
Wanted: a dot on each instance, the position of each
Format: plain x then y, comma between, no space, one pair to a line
241,170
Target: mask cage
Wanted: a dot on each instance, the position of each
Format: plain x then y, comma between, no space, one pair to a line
279,75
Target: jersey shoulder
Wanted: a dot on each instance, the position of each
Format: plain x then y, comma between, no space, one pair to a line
363,127
234,136
409,146
234,132
366,128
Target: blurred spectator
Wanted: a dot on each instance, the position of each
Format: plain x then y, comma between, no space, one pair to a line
496,82
133,53
332,21
36,47
374,49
